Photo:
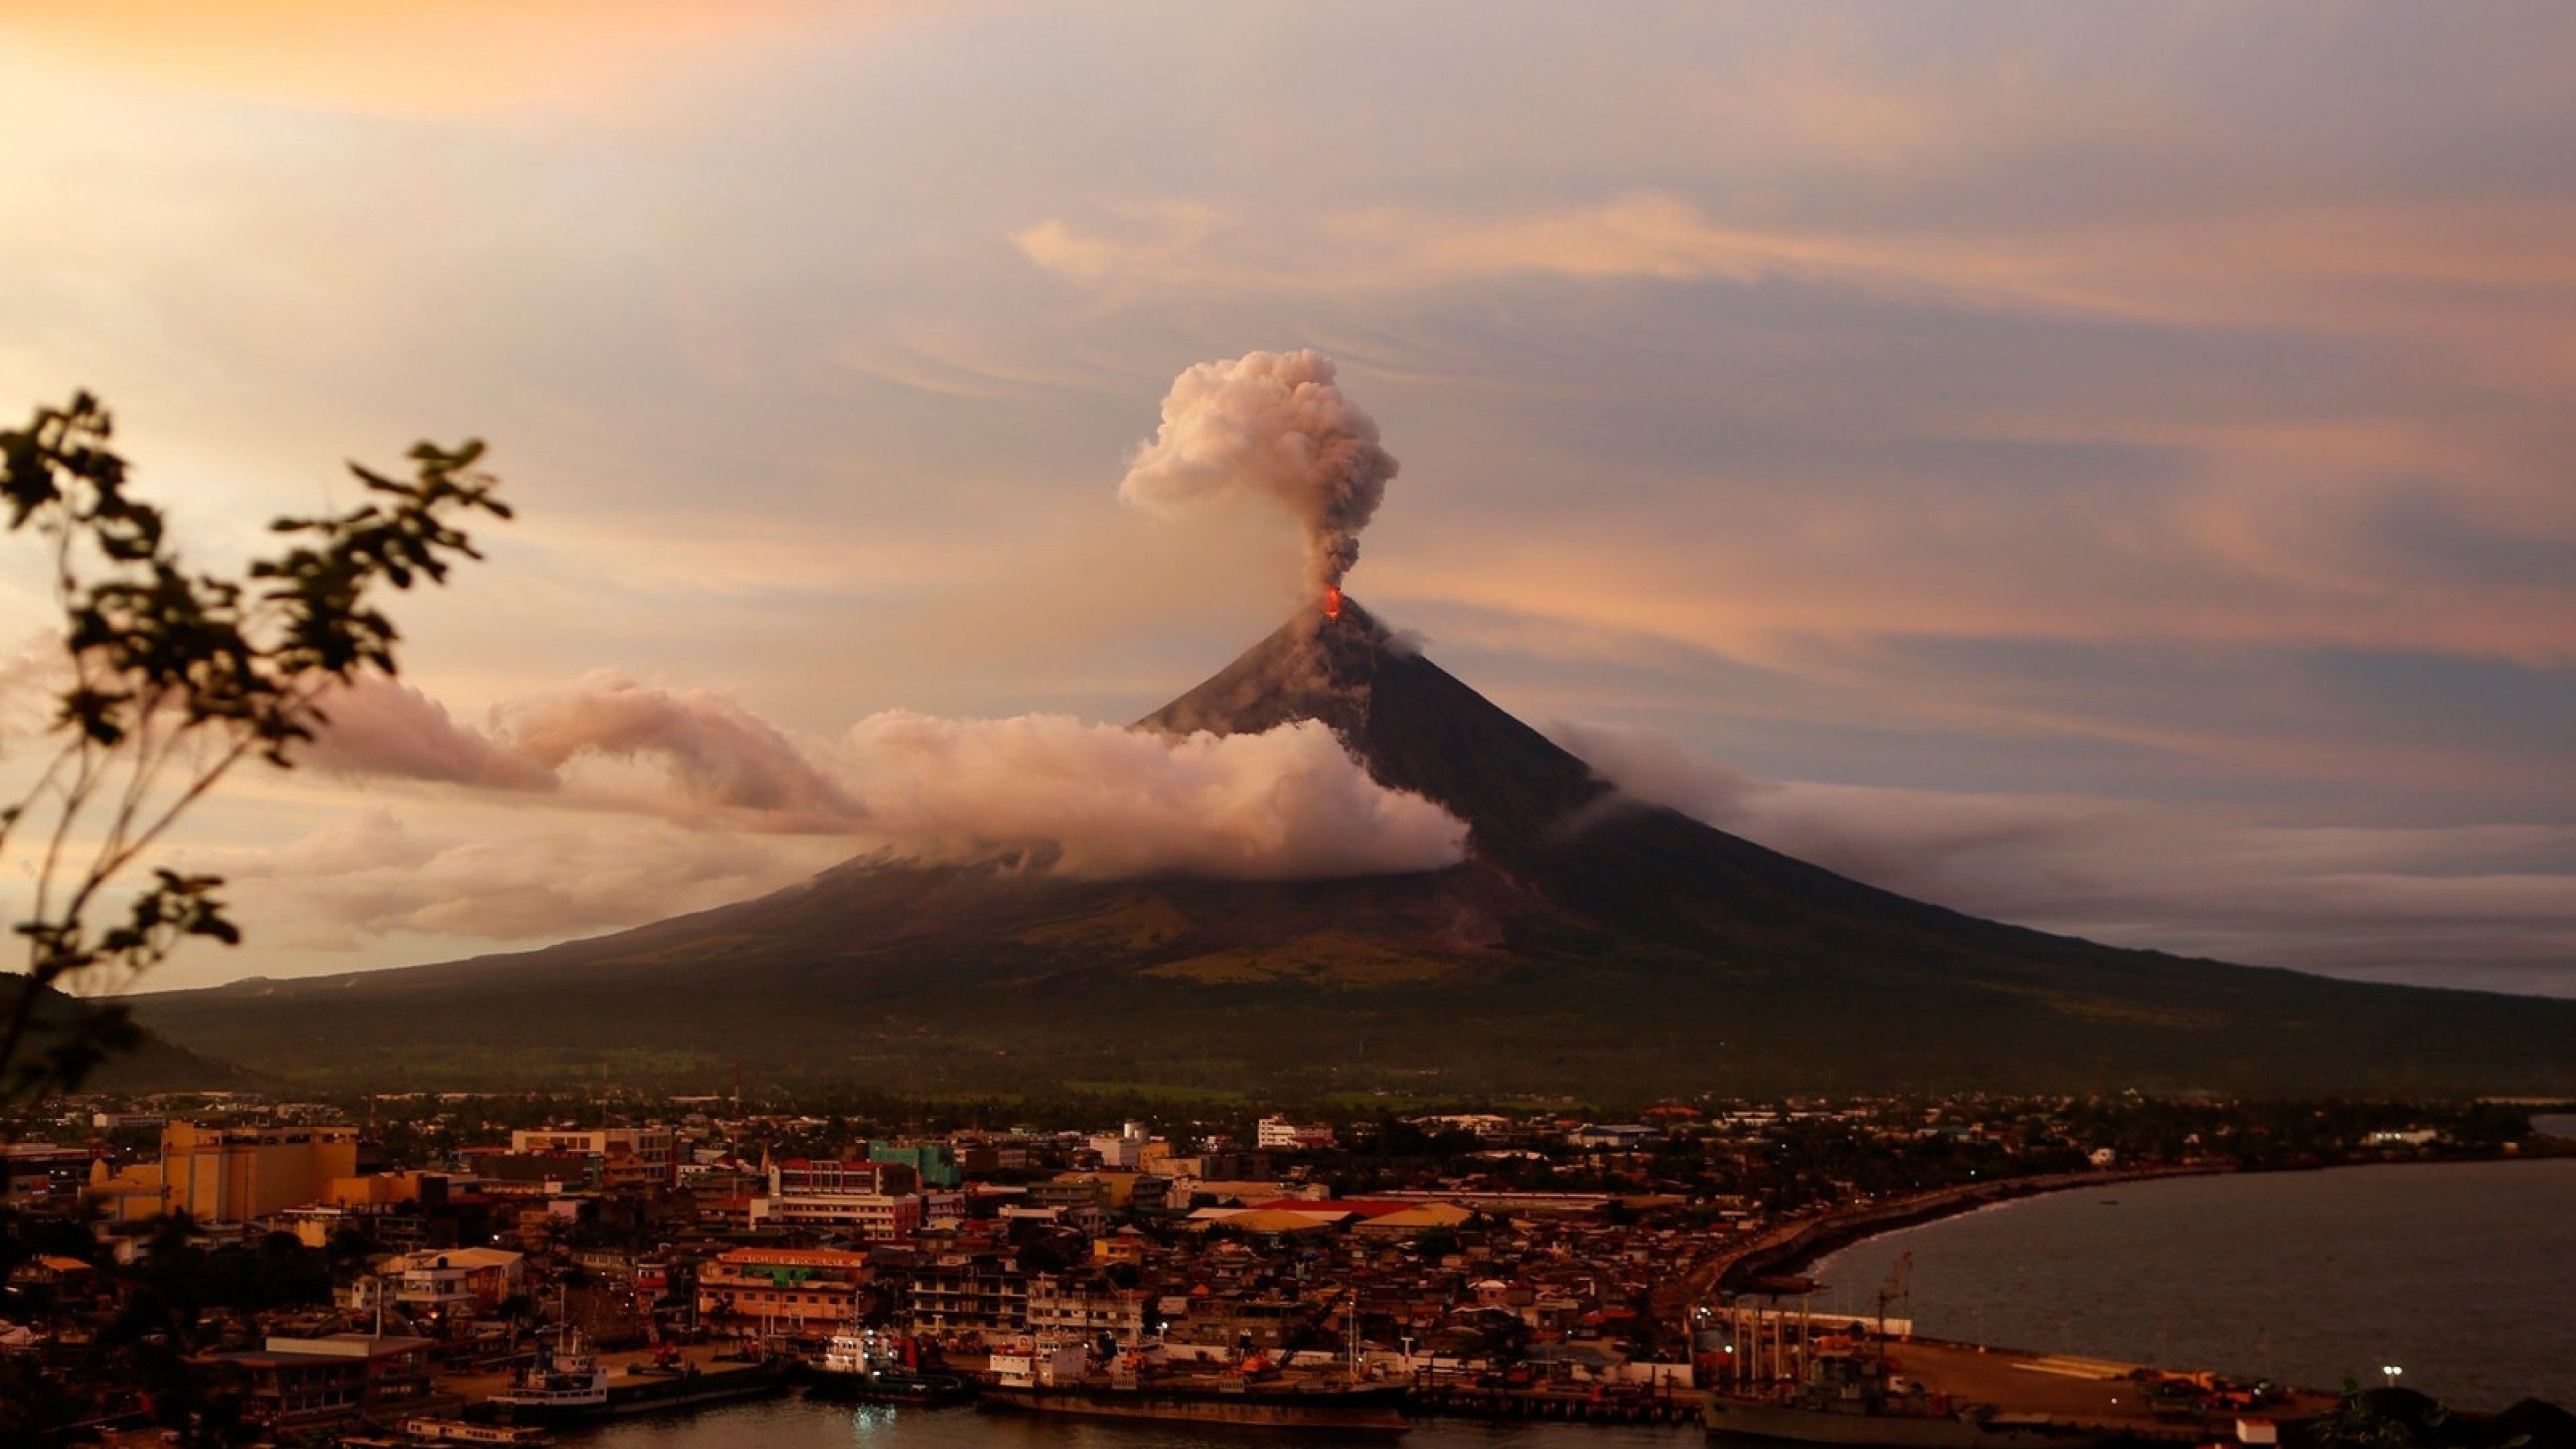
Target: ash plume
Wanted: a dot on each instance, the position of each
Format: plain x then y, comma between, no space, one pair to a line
1272,426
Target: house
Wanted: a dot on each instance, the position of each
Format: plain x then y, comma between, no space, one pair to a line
795,1289
292,1385
448,1288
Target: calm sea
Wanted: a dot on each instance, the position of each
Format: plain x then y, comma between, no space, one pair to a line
2463,1275
796,1424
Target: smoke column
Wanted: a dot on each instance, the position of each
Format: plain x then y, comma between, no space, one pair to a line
1273,426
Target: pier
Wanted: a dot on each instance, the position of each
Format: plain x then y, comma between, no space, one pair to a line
1621,1404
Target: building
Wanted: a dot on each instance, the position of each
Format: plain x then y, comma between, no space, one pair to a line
1279,1134
1629,1135
643,1156
36,1171
129,1121
1127,1147
868,1199
811,1175
297,1384
932,1163
448,1288
1241,1325
1084,1310
807,1290
1481,1124
229,1174
969,1292
875,1216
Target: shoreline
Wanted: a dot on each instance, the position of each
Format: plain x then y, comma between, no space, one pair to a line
1792,1249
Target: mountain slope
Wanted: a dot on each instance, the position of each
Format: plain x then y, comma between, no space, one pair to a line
1590,944
147,1063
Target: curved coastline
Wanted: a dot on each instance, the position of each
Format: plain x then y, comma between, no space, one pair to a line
2456,1268
1793,1248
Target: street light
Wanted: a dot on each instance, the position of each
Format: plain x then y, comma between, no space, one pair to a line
2391,1371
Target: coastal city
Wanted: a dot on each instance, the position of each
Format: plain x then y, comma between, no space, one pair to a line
1141,724
446,1264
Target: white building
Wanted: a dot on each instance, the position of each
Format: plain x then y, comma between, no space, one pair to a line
652,1150
872,1215
1070,1311
1279,1134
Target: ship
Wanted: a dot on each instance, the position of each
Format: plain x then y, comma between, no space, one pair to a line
1057,1383
567,1384
430,1430
1359,1408
564,1383
871,1367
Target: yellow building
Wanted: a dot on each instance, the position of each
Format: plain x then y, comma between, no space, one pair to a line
381,1189
788,1288
230,1174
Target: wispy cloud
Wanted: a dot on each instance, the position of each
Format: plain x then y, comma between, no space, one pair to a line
2495,904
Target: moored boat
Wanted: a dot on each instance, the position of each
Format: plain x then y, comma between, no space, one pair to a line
1058,1382
567,1385
564,1383
1361,1408
426,1430
865,1365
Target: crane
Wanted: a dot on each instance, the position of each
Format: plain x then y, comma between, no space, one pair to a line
1891,1291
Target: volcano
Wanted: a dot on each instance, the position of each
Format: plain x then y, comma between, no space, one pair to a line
1590,945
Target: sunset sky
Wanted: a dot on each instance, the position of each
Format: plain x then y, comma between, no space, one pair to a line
2110,467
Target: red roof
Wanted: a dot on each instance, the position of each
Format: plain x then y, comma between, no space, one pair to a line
1358,1207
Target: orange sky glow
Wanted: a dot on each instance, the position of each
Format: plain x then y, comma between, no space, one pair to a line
2103,466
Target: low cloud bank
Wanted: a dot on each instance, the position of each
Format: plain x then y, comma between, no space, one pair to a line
1289,803
375,874
2474,905
1094,800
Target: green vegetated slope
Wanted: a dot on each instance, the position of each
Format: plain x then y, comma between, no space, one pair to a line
1590,945
147,1064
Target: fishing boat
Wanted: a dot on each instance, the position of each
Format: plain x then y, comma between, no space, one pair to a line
869,1366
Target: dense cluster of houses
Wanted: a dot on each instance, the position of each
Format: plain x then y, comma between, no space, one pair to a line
1536,1246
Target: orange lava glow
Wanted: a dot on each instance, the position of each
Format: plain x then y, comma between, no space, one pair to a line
1332,603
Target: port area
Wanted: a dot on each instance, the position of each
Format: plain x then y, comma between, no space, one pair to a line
1624,1404
477,1385
2088,1394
